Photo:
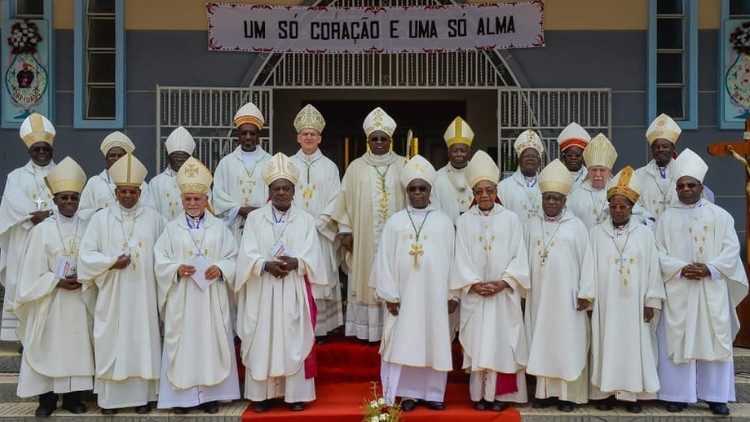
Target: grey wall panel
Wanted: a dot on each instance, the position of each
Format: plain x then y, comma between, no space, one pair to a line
628,108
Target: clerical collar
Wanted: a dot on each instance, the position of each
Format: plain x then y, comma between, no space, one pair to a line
63,219
194,222
662,171
279,216
380,160
170,171
418,211
698,204
310,158
127,211
530,181
553,219
619,231
486,213
36,166
451,168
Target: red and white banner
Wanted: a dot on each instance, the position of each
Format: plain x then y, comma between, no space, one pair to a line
258,28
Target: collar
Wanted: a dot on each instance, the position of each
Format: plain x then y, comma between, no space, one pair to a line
33,168
169,171
268,212
521,179
609,228
195,222
421,211
701,202
497,209
653,169
380,160
449,167
309,159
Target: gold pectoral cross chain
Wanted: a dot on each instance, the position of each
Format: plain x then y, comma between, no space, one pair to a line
417,250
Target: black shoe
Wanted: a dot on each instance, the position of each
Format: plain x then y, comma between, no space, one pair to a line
719,408
297,406
211,407
605,404
435,405
674,407
565,406
262,406
142,410
180,410
407,405
480,405
44,411
542,403
109,411
75,408
634,407
498,406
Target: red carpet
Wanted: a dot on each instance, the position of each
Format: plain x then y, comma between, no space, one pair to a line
346,369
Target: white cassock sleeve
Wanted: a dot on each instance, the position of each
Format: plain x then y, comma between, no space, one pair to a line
93,264
383,275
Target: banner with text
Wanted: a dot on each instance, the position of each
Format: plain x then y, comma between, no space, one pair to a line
266,29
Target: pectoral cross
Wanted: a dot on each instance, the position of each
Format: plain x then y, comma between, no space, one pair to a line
308,192
416,251
543,256
621,260
39,201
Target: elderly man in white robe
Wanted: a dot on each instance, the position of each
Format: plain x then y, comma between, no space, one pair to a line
658,175
116,259
491,270
573,141
55,325
238,184
629,292
562,288
316,192
520,192
705,281
589,201
451,191
411,274
163,190
195,261
279,262
370,194
26,202
99,192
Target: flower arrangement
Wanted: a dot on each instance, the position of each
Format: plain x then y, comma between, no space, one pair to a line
376,410
740,38
24,36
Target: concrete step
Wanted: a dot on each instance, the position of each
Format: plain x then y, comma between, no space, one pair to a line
741,360
228,412
651,412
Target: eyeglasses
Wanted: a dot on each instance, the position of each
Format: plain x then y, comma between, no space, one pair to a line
688,185
417,188
619,207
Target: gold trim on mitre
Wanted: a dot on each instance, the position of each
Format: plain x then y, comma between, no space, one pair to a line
458,132
418,168
627,184
117,139
482,167
663,127
249,113
600,152
555,177
309,118
378,119
194,177
528,139
66,176
280,167
128,171
36,128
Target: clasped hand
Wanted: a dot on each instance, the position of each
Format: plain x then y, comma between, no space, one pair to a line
281,266
212,273
69,283
489,288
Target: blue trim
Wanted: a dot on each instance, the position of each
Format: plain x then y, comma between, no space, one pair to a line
723,124
8,10
79,71
691,59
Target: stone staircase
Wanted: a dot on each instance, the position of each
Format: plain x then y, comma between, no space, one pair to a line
12,408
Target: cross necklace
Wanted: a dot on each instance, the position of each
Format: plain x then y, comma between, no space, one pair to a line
546,245
621,253
72,250
417,249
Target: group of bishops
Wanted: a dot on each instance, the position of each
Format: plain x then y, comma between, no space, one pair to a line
611,289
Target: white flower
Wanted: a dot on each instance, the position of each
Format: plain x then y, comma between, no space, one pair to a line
381,401
374,404
374,419
384,417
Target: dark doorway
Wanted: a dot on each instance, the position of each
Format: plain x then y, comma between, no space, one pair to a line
427,120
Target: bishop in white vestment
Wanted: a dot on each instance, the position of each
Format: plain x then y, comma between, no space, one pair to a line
589,201
491,270
520,192
163,190
562,288
26,202
238,184
658,175
279,262
705,281
370,194
316,192
99,192
451,191
116,259
195,263
573,141
55,329
411,274
629,292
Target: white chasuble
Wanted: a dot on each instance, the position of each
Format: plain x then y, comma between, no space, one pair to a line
451,192
274,314
99,193
623,346
412,267
25,192
56,323
371,192
316,192
659,191
579,177
198,345
588,204
491,248
127,346
562,270
700,317
165,195
238,183
521,196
